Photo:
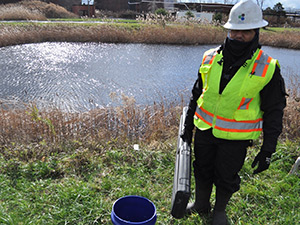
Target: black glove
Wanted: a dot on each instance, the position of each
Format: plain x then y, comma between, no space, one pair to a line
263,159
187,135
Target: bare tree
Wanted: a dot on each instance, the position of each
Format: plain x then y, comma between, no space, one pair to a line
260,3
230,2
152,6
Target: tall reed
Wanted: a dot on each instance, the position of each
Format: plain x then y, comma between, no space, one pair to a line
12,34
33,10
128,122
9,12
291,120
181,34
285,39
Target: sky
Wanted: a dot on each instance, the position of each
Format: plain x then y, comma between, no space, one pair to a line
293,4
91,2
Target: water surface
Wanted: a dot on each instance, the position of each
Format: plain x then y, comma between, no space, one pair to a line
76,76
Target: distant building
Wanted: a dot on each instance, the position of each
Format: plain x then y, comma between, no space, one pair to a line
295,17
169,4
84,10
112,5
213,7
87,2
203,16
140,6
145,5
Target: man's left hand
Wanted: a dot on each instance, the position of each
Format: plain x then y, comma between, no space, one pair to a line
263,159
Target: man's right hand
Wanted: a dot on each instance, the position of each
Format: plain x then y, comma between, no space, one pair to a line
187,135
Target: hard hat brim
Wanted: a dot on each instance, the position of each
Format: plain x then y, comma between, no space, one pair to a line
248,26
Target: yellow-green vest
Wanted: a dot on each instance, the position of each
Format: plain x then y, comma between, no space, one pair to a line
234,114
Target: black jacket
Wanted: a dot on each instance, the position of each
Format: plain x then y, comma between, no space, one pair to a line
273,102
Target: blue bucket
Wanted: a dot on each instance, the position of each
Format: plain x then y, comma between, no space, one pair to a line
134,210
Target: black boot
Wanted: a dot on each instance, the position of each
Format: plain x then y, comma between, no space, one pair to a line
219,215
202,197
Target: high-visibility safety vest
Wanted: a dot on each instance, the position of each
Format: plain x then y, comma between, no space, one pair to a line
234,114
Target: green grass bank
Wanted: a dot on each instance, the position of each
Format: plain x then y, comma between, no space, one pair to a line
154,29
77,183
134,32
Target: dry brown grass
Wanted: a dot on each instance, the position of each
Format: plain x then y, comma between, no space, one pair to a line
50,10
7,12
128,122
191,34
152,30
33,10
291,120
12,34
285,39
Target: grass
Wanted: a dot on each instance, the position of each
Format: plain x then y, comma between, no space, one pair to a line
281,37
33,10
135,32
69,168
78,183
21,33
152,30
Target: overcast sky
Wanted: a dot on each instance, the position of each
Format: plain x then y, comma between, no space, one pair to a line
267,3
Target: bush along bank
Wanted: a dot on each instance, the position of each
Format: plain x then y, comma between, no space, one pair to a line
179,34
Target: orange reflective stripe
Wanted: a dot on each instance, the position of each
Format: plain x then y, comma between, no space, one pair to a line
200,117
256,61
254,67
242,103
204,115
230,125
259,54
207,112
245,103
240,121
212,59
204,59
234,126
266,67
209,58
238,130
261,64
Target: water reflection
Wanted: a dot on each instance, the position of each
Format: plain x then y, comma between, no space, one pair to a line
75,76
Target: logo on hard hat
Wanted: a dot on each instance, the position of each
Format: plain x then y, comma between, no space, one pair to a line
242,17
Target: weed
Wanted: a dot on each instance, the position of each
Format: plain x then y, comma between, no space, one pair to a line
38,197
33,10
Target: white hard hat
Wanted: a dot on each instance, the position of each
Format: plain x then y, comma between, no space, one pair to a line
245,15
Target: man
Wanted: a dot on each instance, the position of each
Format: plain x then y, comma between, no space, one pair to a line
238,94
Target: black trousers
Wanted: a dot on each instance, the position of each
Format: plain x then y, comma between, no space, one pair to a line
218,161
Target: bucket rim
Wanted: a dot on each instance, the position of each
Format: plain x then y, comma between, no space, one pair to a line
134,196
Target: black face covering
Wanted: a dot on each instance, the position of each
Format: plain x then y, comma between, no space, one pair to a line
237,52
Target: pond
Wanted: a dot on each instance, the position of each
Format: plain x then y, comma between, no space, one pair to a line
83,76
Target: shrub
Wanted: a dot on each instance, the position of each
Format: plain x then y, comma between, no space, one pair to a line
19,12
161,11
218,17
189,14
33,10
